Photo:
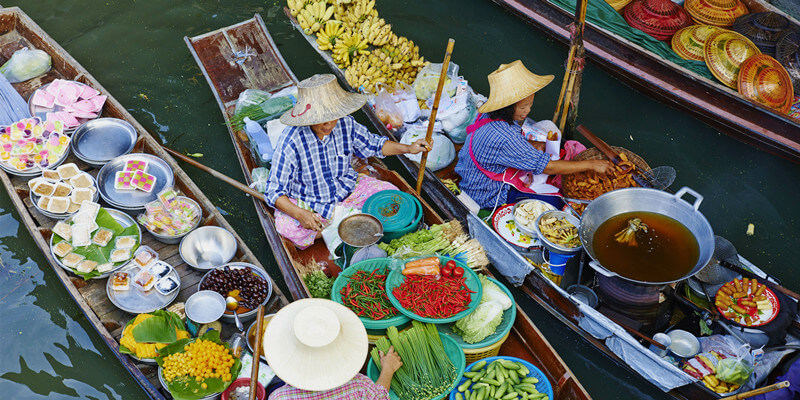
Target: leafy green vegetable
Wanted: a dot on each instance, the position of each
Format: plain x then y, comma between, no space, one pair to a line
99,254
319,284
492,292
481,323
189,388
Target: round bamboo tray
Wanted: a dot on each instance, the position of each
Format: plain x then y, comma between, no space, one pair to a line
570,186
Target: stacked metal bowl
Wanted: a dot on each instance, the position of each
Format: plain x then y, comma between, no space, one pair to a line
101,140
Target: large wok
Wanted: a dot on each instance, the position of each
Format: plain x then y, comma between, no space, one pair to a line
640,199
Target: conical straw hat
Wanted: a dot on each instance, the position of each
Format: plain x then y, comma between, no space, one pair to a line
715,12
618,4
787,52
688,43
320,99
511,83
657,18
315,344
763,79
725,51
764,29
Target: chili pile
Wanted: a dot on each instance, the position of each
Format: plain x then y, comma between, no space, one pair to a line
433,296
365,294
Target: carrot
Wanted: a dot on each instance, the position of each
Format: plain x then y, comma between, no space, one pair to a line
423,266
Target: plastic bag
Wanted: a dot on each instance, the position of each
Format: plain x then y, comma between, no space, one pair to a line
736,369
26,64
406,100
428,80
250,97
459,133
442,152
259,176
386,109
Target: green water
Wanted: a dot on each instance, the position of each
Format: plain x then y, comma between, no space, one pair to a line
136,50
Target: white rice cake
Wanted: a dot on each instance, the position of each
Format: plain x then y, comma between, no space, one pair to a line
93,226
61,249
51,175
119,255
72,260
43,188
80,235
43,202
80,195
62,190
102,237
125,242
90,208
82,217
86,266
63,229
33,182
67,171
105,267
73,207
82,180
58,205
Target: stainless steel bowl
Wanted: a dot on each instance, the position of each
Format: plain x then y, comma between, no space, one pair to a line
246,316
522,228
207,247
554,247
204,306
174,239
250,331
133,200
684,344
100,140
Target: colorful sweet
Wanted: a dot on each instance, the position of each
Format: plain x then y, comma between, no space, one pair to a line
122,180
119,255
145,280
143,181
61,249
121,281
63,229
136,165
72,260
68,101
81,235
171,215
144,256
102,237
160,269
86,266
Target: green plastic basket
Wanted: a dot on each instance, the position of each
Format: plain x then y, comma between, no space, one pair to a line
344,277
405,220
502,330
396,278
454,353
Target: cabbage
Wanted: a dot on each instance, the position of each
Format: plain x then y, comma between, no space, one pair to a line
480,323
492,292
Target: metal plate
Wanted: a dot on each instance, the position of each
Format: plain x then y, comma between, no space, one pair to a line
124,219
359,230
35,200
133,199
137,301
35,170
103,139
41,112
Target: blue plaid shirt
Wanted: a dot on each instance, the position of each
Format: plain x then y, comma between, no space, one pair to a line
497,146
318,172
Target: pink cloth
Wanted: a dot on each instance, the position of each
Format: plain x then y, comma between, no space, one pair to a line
291,228
360,387
571,150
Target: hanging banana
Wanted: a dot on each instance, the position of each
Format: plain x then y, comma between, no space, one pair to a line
327,36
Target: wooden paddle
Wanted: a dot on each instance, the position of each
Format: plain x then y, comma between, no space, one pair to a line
442,77
218,175
256,352
570,87
765,389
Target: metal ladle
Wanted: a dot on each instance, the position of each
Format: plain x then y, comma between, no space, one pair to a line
232,305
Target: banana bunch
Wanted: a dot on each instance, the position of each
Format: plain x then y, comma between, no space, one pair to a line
348,47
327,36
296,5
358,12
362,72
314,16
376,31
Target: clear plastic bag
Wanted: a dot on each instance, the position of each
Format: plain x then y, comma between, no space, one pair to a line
250,97
428,80
736,369
406,100
387,110
442,152
259,176
26,64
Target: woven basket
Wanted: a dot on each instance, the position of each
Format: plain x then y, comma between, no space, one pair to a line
570,182
480,353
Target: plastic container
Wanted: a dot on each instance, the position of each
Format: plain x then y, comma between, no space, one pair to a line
398,212
261,392
258,136
543,386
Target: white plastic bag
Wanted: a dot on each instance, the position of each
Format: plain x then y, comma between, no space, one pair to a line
26,64
406,100
442,152
428,80
386,109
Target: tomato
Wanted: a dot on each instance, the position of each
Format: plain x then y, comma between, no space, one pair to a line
446,272
458,272
450,264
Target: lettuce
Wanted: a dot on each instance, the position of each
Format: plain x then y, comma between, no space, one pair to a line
480,323
492,292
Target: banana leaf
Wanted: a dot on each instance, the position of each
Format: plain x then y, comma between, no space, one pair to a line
158,329
187,388
98,254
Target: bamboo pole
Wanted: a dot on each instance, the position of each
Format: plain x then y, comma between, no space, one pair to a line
256,353
570,89
765,389
448,52
564,83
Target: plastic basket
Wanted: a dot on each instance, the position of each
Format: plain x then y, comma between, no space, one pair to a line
543,386
344,277
396,278
453,352
499,335
492,350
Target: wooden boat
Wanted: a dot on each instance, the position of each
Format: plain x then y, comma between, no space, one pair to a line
719,106
537,286
107,320
266,70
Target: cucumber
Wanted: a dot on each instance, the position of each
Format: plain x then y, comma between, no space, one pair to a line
492,382
512,375
531,380
465,385
526,387
459,396
502,389
509,396
510,364
523,371
480,364
470,374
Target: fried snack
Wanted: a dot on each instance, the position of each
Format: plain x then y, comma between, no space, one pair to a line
589,184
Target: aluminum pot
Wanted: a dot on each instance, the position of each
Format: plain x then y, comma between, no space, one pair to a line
641,199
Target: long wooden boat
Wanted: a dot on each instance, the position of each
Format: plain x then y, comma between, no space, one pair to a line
107,319
266,70
714,103
537,286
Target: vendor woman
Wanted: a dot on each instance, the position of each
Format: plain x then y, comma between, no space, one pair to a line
311,169
496,153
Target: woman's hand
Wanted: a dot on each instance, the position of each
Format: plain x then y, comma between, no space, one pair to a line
310,220
419,146
390,360
602,166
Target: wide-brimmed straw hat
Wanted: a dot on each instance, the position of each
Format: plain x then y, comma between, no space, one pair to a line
511,83
315,344
763,79
689,42
725,51
320,99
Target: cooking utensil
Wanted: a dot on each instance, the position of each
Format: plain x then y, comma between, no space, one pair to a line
231,304
359,230
207,247
251,333
650,200
714,273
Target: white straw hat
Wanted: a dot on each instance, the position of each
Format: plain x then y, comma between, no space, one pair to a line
511,83
315,344
320,99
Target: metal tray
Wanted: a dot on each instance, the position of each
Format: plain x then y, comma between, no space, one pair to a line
35,200
35,170
41,112
132,200
137,301
100,140
124,219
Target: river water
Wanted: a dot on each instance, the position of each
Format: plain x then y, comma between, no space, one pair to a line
136,50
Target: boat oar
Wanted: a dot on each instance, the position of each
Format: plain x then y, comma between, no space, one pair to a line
573,70
447,53
256,352
218,175
754,392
